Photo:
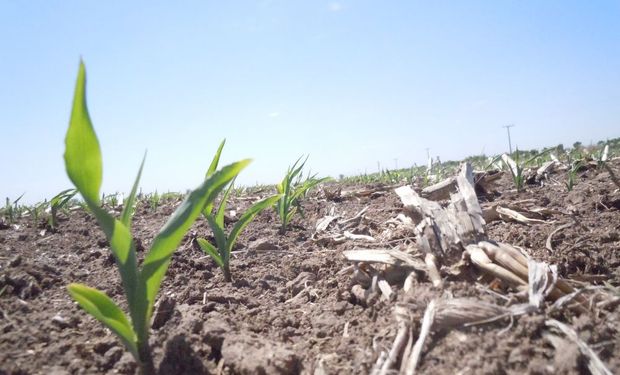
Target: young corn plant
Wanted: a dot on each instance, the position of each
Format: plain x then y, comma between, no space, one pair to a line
572,174
36,211
111,201
57,203
141,284
292,189
12,211
517,168
154,200
220,252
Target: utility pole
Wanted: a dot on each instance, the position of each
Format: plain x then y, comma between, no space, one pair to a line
509,142
395,164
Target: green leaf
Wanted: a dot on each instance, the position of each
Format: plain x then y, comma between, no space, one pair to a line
220,238
82,152
301,166
210,250
308,185
221,211
16,200
62,198
290,214
102,308
216,160
212,168
157,260
247,217
128,207
123,248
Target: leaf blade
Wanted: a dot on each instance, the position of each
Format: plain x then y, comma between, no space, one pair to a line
128,207
82,152
210,250
216,159
221,210
220,238
102,308
247,217
212,168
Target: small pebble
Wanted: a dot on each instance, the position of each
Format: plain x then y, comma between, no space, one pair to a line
61,322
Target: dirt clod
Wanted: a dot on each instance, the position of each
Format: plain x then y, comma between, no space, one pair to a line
251,354
163,311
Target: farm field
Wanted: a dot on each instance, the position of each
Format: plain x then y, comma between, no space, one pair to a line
310,188
294,305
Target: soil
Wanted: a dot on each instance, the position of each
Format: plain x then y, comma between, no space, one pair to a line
290,308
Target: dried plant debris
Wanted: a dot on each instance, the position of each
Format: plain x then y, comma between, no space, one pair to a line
440,314
453,234
595,365
334,229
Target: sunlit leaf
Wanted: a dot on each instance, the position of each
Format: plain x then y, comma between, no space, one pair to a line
248,216
212,168
129,205
210,250
82,152
221,210
102,308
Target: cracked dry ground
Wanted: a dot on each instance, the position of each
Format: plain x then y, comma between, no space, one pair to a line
290,308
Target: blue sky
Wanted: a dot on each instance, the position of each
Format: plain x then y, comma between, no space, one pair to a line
351,83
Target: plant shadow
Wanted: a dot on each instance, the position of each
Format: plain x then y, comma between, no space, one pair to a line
180,358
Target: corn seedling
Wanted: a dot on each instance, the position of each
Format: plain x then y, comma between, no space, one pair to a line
572,174
36,211
154,200
141,285
517,168
57,203
111,201
12,211
220,252
292,189
171,196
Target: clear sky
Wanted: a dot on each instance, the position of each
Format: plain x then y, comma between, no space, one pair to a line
351,82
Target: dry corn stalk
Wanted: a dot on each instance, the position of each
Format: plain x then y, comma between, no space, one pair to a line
439,315
445,235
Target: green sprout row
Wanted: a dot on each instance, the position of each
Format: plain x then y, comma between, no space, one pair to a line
42,210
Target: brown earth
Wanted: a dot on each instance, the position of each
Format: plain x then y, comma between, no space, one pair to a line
290,308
